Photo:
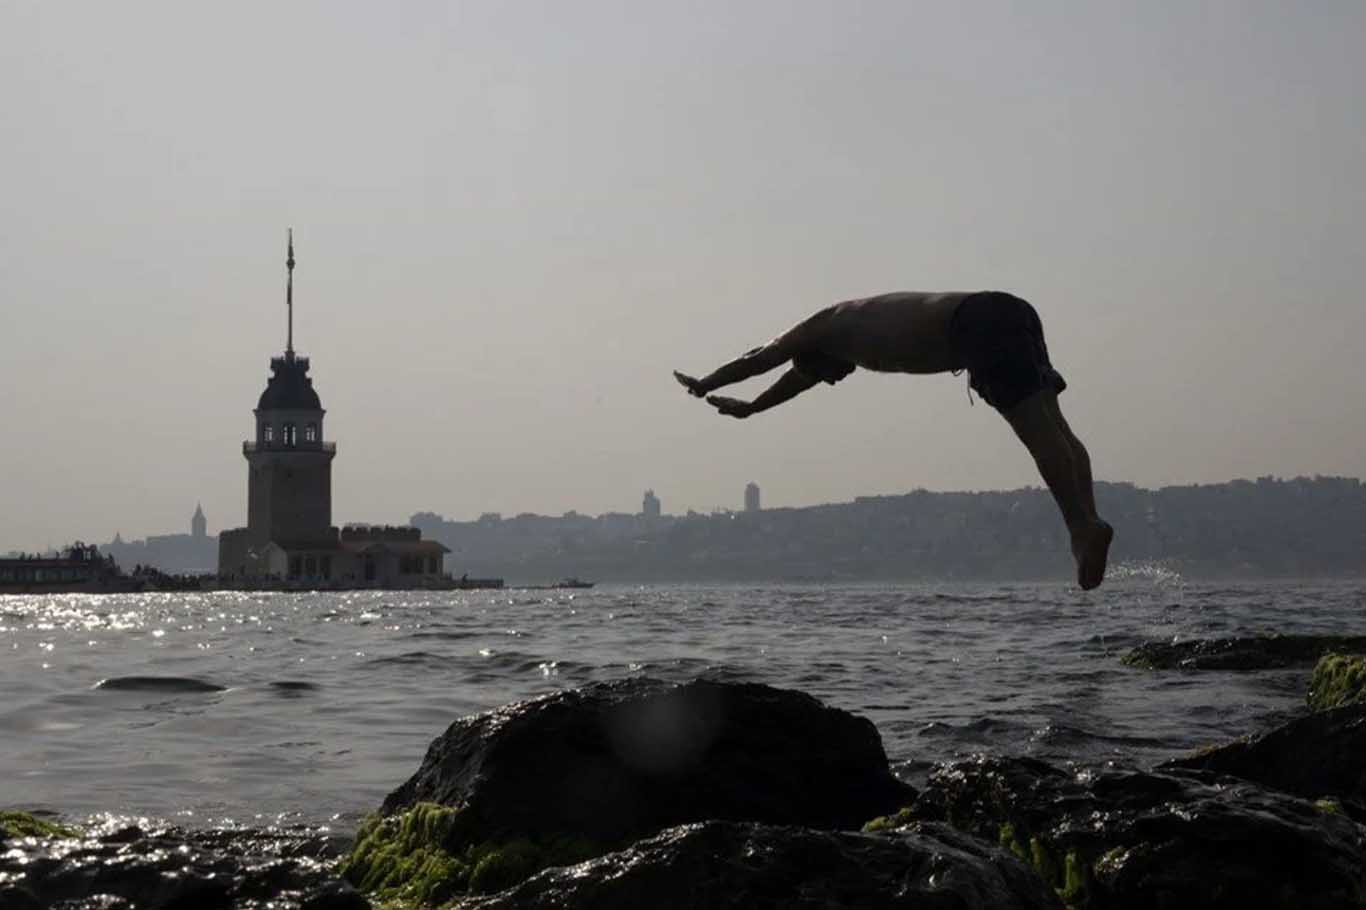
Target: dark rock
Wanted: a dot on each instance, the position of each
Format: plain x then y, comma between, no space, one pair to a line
573,775
1133,839
167,684
746,866
1262,652
13,897
1321,754
113,866
616,761
1339,680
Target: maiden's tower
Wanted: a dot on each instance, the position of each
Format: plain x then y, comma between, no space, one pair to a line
289,535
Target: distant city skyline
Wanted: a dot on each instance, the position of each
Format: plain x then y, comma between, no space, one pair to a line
516,219
651,495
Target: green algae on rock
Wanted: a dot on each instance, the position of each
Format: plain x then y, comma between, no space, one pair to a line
1339,680
407,857
888,822
15,823
1329,805
1068,878
430,854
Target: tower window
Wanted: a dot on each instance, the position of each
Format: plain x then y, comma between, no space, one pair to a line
268,433
311,432
289,439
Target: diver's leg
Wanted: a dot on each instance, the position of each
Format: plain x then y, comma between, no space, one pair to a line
1066,469
1081,459
792,384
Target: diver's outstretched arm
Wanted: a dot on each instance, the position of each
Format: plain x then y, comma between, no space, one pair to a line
751,363
792,384
805,335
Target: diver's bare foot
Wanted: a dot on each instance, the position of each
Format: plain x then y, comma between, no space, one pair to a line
731,407
694,386
1091,547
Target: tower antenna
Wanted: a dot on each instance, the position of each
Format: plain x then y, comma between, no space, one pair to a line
289,296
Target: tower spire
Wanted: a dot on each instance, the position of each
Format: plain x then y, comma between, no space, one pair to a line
289,296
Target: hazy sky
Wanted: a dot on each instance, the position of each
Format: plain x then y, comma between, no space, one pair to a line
512,219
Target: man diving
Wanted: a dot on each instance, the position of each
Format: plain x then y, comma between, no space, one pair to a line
995,336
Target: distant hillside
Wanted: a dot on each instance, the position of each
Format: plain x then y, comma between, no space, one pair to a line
1304,526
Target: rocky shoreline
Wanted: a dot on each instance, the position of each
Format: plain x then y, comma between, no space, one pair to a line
639,793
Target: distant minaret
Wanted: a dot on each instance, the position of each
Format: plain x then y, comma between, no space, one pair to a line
198,525
649,506
289,296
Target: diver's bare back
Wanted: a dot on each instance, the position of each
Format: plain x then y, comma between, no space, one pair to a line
901,332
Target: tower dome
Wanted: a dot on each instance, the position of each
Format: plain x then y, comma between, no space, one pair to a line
289,388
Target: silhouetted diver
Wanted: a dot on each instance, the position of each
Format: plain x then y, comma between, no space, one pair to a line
996,337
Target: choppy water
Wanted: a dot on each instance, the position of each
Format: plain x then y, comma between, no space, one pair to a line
309,707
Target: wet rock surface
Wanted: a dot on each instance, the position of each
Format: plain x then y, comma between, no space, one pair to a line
747,866
580,773
616,761
713,795
1319,755
1135,839
1260,652
113,865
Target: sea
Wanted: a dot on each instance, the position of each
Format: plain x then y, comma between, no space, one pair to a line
237,708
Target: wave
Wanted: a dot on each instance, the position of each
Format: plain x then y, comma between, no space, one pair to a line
976,729
410,657
1059,734
291,685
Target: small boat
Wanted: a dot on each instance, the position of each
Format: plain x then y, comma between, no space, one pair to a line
572,582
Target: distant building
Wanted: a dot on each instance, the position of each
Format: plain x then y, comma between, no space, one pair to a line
175,554
289,533
649,507
751,497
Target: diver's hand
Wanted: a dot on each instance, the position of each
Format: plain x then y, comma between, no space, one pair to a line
694,386
731,407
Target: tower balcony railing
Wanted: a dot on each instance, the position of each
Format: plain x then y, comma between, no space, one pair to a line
277,363
249,447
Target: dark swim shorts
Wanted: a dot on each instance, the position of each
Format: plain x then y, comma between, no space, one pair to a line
998,339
